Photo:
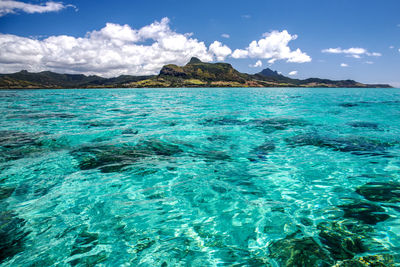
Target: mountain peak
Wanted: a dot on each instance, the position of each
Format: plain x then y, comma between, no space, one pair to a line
194,60
269,73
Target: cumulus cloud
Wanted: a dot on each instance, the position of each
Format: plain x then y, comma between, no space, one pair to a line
111,51
292,73
344,65
257,64
225,35
274,46
355,52
219,50
7,7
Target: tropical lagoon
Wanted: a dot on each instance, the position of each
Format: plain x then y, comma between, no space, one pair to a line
200,177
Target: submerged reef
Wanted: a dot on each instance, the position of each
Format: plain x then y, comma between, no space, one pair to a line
356,145
380,192
365,212
295,250
17,145
261,152
12,234
114,158
363,124
270,125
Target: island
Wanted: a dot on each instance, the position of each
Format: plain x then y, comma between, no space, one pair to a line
194,74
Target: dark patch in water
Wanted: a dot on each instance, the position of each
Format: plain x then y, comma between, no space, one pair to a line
219,189
12,139
306,221
218,138
270,125
262,151
297,250
343,240
380,191
130,132
267,125
368,103
222,121
143,244
99,124
378,260
363,124
22,190
6,192
112,158
12,235
348,105
159,148
365,212
16,145
353,144
84,242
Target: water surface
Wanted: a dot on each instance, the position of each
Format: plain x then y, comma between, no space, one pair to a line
199,177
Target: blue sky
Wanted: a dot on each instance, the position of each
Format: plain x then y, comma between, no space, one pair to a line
338,39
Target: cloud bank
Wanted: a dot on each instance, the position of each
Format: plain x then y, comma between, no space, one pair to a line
110,51
10,7
355,52
274,46
120,49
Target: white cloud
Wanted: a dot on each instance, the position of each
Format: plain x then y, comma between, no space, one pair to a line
374,54
391,47
257,64
219,50
225,35
355,52
344,65
246,16
274,46
369,62
292,73
7,7
240,53
111,51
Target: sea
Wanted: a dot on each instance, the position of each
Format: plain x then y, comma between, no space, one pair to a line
200,177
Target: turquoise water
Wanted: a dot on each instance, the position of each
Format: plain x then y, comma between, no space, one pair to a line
199,177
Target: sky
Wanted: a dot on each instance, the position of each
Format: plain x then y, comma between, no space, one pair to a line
335,39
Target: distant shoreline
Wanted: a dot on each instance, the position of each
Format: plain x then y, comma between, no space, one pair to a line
195,74
128,88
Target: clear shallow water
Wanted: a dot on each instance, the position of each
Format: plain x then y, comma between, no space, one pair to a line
199,177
